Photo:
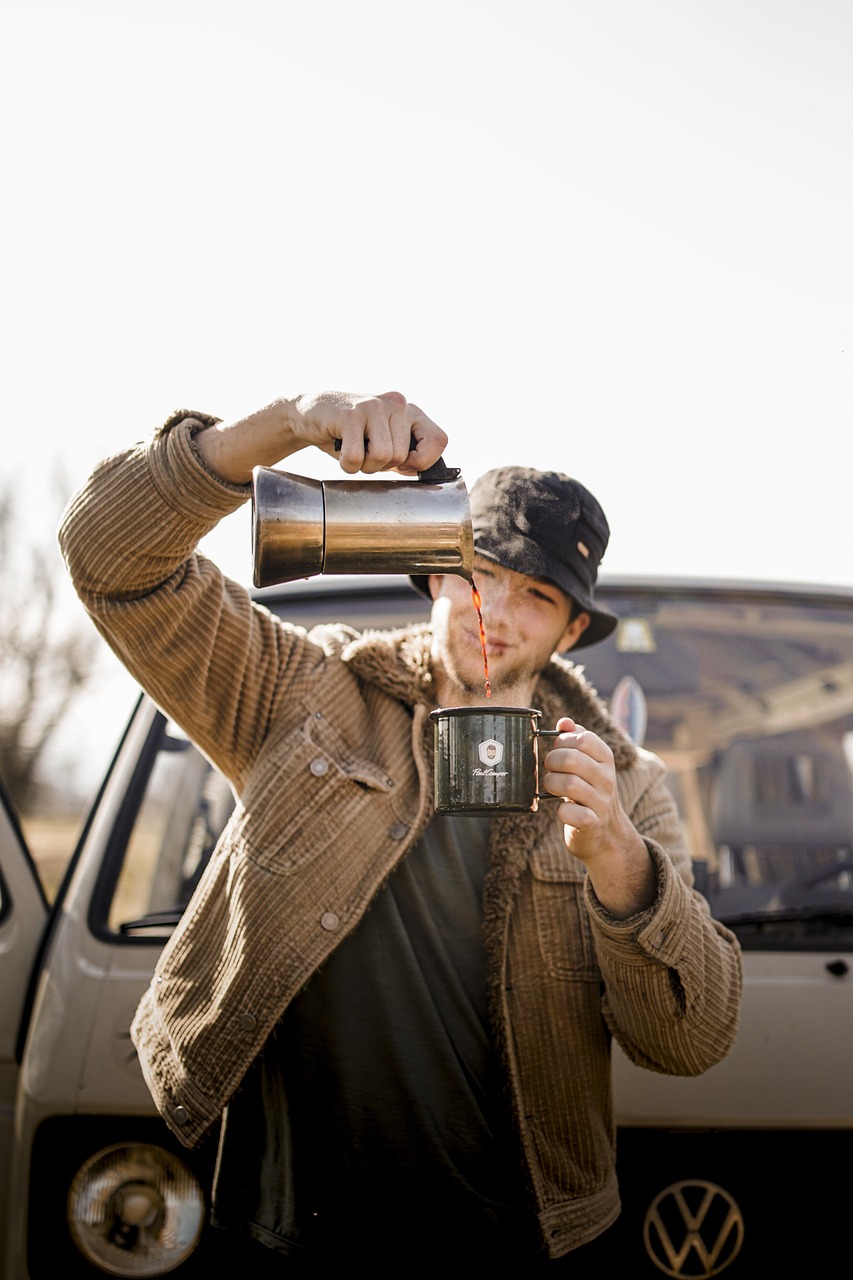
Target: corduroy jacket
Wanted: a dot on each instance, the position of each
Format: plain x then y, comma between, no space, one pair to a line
325,738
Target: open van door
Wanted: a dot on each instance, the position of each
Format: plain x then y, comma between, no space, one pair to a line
23,919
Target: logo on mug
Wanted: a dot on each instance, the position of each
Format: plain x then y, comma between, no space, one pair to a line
490,752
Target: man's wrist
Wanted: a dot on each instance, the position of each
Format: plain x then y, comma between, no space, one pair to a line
627,885
261,439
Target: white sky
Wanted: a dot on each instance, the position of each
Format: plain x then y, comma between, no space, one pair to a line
612,237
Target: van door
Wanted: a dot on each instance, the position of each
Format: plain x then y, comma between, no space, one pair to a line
23,917
97,1183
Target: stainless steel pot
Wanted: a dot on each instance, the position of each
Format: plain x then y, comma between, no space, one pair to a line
302,527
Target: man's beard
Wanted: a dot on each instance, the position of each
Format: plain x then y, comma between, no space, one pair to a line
510,685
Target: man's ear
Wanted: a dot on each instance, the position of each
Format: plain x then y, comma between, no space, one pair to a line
573,632
434,581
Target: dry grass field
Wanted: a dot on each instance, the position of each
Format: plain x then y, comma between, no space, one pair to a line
51,842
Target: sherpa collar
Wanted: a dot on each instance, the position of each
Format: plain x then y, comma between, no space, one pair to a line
398,663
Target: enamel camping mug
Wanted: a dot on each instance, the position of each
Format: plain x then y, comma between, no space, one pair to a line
487,760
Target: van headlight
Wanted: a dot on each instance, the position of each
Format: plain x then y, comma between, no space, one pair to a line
135,1210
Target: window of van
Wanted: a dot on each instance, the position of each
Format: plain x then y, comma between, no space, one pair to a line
747,696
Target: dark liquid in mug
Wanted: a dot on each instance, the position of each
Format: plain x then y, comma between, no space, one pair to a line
478,605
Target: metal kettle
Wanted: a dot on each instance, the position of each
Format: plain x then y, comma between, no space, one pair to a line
302,527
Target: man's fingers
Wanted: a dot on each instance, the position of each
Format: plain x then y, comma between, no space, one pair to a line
579,740
429,440
572,787
393,435
372,433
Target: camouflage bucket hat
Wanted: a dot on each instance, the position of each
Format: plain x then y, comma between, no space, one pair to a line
545,525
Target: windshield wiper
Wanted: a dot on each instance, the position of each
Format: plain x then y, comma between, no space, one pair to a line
788,915
155,920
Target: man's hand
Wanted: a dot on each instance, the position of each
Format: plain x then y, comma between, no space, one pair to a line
580,768
364,433
370,433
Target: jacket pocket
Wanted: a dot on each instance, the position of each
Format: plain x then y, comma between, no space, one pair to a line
562,922
306,791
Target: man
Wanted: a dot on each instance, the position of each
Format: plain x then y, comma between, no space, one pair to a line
403,1019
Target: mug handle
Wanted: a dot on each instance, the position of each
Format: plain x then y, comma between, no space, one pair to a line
547,733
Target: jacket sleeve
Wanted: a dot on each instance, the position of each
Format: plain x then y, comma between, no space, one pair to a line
193,639
673,975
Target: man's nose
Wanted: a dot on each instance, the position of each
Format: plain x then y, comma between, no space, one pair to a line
496,600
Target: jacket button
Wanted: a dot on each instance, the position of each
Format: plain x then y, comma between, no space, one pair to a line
329,921
319,767
247,1022
180,1115
399,831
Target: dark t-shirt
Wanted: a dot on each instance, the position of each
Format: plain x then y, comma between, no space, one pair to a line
375,1123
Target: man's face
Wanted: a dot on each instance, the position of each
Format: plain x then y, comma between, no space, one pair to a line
526,620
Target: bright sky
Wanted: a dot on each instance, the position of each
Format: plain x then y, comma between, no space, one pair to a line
610,237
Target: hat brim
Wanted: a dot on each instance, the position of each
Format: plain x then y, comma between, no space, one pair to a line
602,622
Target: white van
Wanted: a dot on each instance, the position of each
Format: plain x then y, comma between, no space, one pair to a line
746,691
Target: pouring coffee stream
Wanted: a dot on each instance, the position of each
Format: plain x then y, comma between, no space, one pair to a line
478,605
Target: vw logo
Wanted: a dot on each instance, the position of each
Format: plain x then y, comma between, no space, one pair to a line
693,1230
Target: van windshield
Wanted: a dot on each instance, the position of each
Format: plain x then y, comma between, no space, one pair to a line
746,695
748,699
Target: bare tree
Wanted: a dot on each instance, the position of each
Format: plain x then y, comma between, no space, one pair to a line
46,652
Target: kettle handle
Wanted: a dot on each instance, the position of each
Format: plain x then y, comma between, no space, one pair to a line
438,473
